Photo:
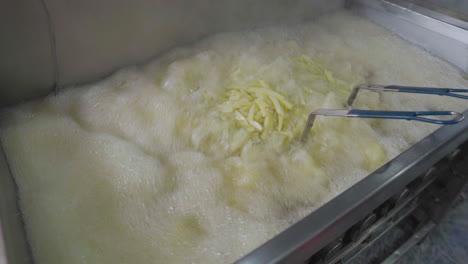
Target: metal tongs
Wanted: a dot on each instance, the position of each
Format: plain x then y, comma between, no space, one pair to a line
407,89
406,115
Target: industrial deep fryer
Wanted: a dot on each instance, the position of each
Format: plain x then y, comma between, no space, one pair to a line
50,44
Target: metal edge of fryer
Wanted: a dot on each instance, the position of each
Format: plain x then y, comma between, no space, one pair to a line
440,34
299,242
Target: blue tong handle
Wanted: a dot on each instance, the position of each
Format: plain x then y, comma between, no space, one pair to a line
427,90
409,115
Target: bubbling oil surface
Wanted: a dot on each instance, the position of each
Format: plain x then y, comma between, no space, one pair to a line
143,167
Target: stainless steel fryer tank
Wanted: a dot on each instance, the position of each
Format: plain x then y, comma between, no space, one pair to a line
49,44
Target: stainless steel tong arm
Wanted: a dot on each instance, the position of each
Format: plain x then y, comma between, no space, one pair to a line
407,89
406,115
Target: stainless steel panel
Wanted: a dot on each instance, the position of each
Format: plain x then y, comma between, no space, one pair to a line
26,67
455,8
443,36
95,38
299,242
11,224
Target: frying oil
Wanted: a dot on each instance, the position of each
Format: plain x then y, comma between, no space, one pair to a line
145,167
